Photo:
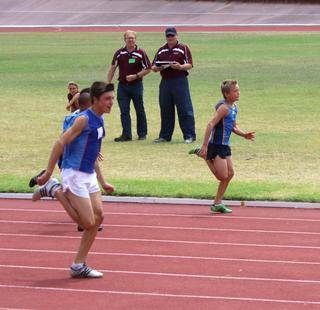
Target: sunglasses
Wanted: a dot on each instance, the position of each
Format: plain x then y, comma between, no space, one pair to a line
170,35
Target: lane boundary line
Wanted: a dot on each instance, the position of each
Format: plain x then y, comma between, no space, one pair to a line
160,294
170,241
192,216
248,260
168,274
173,228
196,28
184,201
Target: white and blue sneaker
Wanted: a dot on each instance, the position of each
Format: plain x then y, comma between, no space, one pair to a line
84,271
47,190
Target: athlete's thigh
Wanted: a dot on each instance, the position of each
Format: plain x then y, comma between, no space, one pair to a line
83,206
230,166
210,163
96,202
221,167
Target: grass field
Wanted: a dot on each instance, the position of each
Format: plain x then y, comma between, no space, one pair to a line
279,78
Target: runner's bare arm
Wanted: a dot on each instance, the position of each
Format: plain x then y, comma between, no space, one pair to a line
221,112
247,135
108,188
72,101
57,150
111,72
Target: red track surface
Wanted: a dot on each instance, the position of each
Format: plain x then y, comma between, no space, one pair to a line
162,257
160,29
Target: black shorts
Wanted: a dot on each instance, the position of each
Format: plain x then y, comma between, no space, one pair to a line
218,149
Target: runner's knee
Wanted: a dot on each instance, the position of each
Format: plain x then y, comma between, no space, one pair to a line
89,223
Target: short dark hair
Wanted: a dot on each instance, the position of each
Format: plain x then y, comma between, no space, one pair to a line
226,86
84,101
85,90
99,88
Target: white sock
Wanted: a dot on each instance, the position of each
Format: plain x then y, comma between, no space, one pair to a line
77,266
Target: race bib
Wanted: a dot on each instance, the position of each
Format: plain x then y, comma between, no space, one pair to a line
100,133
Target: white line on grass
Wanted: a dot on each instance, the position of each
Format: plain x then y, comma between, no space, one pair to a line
170,241
166,274
185,296
182,257
173,227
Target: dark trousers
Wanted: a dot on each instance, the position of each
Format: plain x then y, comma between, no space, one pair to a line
126,93
175,92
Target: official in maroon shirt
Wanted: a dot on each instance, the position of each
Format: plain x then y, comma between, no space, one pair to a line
133,64
173,60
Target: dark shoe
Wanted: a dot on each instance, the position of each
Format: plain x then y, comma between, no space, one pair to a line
122,138
80,229
33,180
160,140
142,138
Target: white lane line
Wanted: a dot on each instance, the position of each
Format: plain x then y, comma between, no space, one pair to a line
172,227
194,216
182,257
253,25
170,241
46,288
14,309
166,274
175,13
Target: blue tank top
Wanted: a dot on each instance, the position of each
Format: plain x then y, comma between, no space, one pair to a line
221,133
82,152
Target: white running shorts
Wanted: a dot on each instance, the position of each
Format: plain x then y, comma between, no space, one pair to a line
80,183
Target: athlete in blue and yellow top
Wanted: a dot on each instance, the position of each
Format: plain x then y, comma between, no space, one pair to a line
215,148
81,145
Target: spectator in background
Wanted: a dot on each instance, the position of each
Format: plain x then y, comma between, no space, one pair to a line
73,96
133,64
173,60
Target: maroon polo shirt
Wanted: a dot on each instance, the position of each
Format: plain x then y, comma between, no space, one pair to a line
75,106
179,53
130,63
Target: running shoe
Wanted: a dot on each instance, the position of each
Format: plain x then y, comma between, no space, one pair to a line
81,229
46,190
195,151
33,180
221,208
85,272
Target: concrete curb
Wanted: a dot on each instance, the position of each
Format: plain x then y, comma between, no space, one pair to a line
186,201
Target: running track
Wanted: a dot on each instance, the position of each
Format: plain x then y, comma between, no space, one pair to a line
161,257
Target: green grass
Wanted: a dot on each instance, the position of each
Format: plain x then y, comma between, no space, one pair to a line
278,75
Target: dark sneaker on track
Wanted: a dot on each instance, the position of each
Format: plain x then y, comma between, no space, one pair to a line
81,229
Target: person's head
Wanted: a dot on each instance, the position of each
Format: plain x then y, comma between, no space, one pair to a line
102,96
171,36
84,99
230,90
73,88
130,38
